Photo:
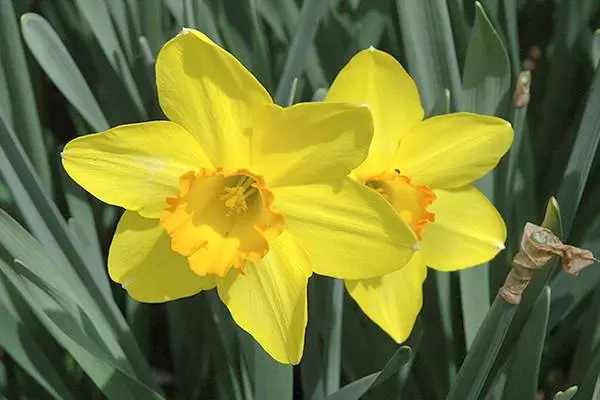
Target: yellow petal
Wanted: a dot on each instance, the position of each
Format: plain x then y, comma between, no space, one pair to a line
452,150
141,260
375,78
392,301
468,230
134,166
310,142
349,230
210,93
269,300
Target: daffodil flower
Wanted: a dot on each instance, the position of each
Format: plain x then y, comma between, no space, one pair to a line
237,193
424,169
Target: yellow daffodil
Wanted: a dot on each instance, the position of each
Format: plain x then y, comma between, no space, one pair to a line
240,194
424,169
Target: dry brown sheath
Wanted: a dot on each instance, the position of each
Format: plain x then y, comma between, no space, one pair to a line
538,246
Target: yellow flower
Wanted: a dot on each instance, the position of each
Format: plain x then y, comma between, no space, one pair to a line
237,193
424,169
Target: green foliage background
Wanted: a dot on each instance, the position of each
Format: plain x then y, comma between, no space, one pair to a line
70,67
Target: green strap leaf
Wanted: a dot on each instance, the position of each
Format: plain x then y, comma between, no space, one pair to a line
582,156
357,389
55,60
46,223
482,359
18,337
524,368
73,329
25,117
429,48
333,335
310,16
486,77
98,17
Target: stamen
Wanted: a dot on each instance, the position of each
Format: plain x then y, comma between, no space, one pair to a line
235,197
204,227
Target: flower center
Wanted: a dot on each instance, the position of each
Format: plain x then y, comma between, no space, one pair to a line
409,200
235,197
221,220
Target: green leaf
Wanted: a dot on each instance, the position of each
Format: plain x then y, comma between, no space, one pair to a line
358,388
272,15
235,26
486,77
97,16
57,63
475,296
191,338
588,340
310,16
206,21
484,350
25,117
119,14
176,9
70,326
429,49
312,365
46,223
68,312
151,15
261,53
482,358
511,25
524,369
582,155
17,339
595,48
5,105
371,20
228,334
333,335
562,92
518,121
82,225
485,87
272,381
41,215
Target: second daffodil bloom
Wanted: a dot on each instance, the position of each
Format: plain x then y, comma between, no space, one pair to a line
424,168
237,193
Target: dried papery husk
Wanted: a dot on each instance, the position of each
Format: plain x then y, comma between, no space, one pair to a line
522,94
538,246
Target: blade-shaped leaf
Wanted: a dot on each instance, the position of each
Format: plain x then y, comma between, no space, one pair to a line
25,116
46,223
524,369
17,339
57,63
429,48
486,77
97,16
310,16
358,388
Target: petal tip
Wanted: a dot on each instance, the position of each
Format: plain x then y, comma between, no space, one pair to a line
185,31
